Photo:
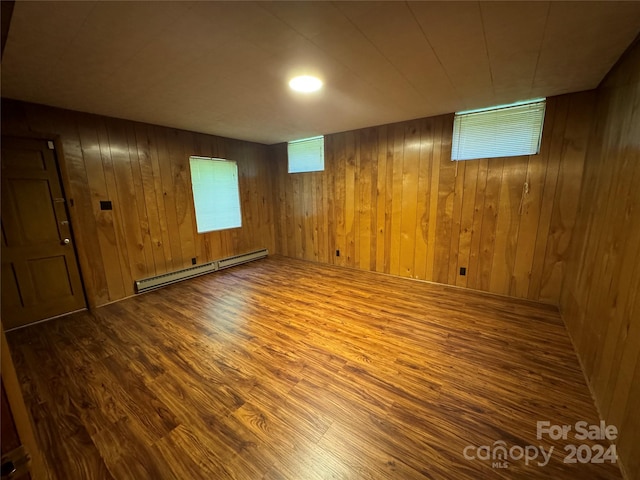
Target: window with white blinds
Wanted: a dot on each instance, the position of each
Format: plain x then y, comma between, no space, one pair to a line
216,193
306,155
505,131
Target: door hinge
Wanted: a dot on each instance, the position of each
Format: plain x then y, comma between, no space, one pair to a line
15,463
50,145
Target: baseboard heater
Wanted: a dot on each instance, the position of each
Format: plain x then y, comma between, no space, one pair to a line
244,258
158,281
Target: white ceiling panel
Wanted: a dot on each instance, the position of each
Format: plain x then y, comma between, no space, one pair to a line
580,43
455,32
513,33
222,67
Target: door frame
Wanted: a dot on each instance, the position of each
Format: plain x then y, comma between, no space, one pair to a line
65,186
19,411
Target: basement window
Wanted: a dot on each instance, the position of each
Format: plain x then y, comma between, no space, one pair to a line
503,131
306,155
216,193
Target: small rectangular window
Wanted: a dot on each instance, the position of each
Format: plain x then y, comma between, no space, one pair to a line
505,131
306,155
216,193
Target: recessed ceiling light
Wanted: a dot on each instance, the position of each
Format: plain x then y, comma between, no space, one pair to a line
305,84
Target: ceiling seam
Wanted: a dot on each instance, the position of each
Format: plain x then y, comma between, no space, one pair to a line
486,49
544,33
435,54
337,60
380,52
64,50
131,56
151,39
161,85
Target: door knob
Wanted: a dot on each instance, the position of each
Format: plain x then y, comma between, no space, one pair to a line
66,241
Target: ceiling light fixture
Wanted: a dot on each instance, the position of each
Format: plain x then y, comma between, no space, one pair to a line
305,84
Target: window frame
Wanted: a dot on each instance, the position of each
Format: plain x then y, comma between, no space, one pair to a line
203,201
320,162
502,131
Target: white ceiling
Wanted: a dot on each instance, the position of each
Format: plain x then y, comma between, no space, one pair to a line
223,67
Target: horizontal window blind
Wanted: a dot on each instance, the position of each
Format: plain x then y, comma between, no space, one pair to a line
501,132
216,193
306,155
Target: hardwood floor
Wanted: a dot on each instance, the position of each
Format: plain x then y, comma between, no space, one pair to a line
283,369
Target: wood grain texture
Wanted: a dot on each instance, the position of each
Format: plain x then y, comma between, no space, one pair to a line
289,369
19,411
393,202
144,170
600,300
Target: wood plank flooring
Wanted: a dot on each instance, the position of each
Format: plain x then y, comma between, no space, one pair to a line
283,369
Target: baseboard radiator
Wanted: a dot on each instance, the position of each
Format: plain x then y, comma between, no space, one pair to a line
239,259
158,281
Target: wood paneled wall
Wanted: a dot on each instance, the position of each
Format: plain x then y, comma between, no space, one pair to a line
600,299
391,200
144,170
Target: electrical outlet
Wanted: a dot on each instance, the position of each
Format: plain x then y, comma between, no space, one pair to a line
337,253
193,261
463,271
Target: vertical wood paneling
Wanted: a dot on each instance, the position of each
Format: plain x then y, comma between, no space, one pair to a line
144,171
141,200
410,181
182,190
339,163
396,142
199,147
278,192
162,226
381,199
489,223
125,205
444,218
433,195
513,178
465,225
399,205
165,177
553,148
321,222
367,177
529,211
150,204
74,175
600,301
576,132
329,206
351,189
476,227
289,211
456,218
422,205
388,201
297,216
97,183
